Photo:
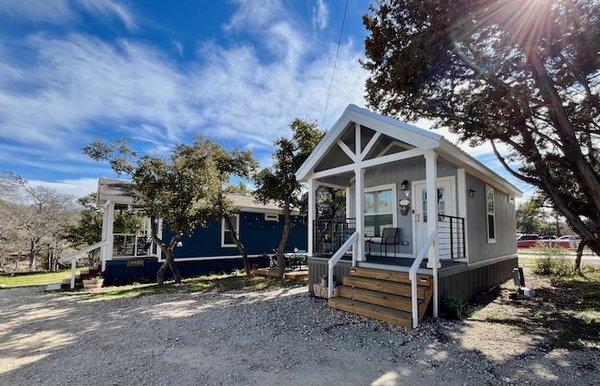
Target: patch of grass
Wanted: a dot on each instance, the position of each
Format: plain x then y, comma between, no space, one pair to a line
33,279
218,283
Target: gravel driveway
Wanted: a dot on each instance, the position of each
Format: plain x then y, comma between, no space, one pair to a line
276,336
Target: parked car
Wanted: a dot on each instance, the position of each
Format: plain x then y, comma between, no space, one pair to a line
548,237
527,240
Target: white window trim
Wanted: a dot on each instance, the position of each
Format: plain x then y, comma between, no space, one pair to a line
487,214
391,187
271,217
237,228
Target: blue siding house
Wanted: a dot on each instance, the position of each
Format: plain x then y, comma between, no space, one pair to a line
209,249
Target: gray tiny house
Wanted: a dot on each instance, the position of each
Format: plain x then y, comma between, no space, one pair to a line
388,258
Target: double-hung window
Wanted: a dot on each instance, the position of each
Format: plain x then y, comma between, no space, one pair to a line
226,232
379,209
491,214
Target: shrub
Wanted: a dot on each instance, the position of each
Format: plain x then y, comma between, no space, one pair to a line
454,308
553,262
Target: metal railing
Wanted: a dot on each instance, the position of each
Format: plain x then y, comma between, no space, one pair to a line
130,244
330,235
451,237
73,258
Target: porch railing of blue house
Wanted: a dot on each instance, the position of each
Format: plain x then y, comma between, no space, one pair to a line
451,237
330,235
132,245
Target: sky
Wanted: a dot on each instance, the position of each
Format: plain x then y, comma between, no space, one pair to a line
158,73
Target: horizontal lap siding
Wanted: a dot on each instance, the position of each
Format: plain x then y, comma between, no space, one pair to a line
468,284
506,223
318,269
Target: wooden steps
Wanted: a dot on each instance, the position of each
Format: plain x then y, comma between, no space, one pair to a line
382,295
87,278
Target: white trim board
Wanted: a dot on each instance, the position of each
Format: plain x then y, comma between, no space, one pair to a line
206,258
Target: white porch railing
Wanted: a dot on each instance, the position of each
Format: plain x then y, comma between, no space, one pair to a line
412,274
73,258
335,259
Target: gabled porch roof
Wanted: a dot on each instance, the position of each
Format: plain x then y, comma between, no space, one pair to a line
420,139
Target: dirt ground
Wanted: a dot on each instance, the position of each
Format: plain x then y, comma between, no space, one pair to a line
283,336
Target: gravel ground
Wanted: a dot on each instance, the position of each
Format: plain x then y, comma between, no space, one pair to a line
271,337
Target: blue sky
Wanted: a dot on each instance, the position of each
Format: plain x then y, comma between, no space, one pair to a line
161,72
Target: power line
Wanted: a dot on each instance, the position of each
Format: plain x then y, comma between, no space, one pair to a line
337,54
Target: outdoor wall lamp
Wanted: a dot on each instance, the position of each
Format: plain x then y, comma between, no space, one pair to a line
471,193
404,185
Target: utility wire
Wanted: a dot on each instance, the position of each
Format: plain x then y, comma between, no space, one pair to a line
337,54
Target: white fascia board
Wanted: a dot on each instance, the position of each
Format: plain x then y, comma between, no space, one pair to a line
455,154
420,138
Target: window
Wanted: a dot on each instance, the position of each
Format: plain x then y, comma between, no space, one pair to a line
271,217
226,239
441,204
380,209
491,214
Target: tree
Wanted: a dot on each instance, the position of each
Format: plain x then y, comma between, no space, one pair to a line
520,75
179,188
240,164
278,183
331,202
529,217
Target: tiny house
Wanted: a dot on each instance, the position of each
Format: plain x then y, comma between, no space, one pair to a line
425,221
127,258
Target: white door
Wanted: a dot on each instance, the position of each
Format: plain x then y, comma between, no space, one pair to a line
446,205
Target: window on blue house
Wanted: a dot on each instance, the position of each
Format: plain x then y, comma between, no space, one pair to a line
226,233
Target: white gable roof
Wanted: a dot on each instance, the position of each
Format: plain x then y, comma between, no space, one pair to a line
420,138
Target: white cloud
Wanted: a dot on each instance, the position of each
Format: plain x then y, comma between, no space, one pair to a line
320,15
65,11
73,187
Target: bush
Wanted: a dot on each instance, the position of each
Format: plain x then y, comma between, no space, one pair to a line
553,262
454,308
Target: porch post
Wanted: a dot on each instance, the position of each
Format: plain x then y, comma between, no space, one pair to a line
359,185
432,221
110,209
312,198
104,249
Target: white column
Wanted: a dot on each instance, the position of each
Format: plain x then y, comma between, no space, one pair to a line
432,218
110,209
359,185
104,237
312,199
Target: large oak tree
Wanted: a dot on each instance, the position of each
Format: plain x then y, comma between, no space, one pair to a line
522,75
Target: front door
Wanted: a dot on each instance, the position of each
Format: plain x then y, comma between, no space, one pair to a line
446,205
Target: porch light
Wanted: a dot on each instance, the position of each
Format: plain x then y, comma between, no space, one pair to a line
404,185
471,193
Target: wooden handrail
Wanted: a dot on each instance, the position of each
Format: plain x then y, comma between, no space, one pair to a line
334,260
412,274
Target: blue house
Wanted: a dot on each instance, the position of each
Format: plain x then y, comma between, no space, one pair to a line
127,258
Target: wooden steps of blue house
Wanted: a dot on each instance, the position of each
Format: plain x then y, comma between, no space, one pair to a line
382,295
86,278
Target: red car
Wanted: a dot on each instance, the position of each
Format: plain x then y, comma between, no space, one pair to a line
533,240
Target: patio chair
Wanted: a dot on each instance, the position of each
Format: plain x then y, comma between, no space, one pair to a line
389,237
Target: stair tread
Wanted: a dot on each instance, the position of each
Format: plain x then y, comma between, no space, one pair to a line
399,277
397,302
385,314
396,288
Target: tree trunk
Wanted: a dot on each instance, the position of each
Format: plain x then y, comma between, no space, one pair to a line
287,226
31,255
168,253
580,247
240,246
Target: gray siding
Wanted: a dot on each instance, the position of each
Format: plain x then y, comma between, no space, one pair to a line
394,173
467,284
506,223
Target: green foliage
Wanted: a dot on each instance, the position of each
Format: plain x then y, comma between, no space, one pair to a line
278,182
553,262
520,75
454,308
529,217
